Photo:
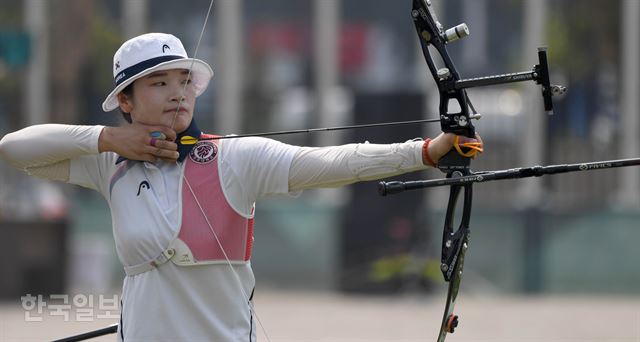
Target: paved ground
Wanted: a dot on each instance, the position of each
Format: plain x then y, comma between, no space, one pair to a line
317,316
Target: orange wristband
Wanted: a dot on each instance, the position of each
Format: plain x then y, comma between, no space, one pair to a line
425,153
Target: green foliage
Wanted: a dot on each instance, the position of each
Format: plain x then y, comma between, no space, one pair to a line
105,40
402,266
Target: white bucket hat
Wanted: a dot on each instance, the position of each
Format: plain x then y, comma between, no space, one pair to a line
142,55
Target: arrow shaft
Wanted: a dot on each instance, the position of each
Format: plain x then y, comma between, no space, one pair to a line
325,129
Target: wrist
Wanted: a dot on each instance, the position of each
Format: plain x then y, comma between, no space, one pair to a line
426,156
104,141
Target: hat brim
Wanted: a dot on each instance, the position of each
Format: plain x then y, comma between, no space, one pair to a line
201,74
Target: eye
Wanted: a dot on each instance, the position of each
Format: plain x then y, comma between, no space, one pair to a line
186,81
159,84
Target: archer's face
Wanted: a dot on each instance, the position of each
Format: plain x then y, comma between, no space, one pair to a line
156,97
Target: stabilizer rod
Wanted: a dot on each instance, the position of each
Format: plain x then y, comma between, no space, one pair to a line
389,188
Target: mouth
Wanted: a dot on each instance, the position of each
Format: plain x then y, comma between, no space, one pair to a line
178,109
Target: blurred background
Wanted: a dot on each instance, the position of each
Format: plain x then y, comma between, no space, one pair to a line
290,64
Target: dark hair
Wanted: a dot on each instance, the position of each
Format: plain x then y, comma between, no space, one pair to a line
128,91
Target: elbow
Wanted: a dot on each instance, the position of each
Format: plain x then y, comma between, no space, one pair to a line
3,148
7,150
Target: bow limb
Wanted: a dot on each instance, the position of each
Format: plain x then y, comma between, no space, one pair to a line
454,242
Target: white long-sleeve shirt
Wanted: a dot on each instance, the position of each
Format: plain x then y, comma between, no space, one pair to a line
202,303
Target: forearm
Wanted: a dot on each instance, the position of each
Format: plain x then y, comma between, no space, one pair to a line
46,145
341,165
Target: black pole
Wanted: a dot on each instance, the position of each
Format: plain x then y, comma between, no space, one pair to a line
112,329
389,188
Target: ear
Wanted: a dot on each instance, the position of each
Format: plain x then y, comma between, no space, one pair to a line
125,103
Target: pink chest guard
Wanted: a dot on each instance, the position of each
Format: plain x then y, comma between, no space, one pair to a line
202,194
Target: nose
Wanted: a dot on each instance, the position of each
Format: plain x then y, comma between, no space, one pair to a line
178,96
176,91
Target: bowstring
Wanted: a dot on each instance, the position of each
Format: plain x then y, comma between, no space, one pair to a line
224,252
193,60
213,232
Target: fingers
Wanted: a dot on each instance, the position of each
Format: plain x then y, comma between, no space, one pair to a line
464,139
155,131
472,146
465,146
157,136
162,149
158,143
162,138
163,144
169,134
140,142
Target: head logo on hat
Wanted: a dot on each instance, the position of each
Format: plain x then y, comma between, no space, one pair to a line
151,52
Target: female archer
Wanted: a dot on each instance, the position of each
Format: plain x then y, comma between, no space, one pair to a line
182,202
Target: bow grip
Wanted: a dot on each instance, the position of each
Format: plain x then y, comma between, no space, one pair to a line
453,161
